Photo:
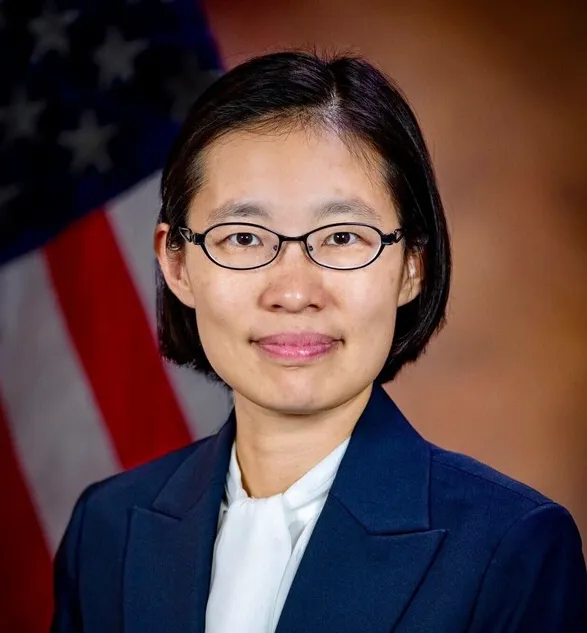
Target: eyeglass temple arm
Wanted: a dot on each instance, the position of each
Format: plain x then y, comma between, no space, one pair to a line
399,234
190,236
392,238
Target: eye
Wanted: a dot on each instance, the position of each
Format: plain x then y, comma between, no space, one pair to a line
342,238
243,239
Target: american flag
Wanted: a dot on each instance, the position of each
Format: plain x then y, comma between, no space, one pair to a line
92,94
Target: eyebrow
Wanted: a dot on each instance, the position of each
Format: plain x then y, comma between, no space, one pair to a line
231,209
345,207
348,206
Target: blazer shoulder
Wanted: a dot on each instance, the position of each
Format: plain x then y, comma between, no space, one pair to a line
467,472
459,481
140,485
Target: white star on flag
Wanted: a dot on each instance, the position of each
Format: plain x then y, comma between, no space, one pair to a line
88,143
8,193
49,30
21,116
116,57
187,86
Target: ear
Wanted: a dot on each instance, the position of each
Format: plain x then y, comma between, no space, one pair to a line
411,279
173,266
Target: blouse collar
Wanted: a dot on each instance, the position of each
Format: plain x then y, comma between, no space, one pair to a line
312,485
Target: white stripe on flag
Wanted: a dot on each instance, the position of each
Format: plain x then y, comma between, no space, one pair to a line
56,427
133,216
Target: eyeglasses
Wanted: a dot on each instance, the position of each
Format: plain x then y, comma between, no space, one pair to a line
244,246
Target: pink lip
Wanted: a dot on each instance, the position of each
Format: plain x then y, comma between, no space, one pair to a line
297,345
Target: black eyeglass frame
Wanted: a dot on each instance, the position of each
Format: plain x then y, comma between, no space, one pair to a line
387,239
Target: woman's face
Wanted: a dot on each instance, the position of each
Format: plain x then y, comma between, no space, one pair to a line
293,337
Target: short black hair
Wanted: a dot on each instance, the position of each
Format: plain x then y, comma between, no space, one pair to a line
366,108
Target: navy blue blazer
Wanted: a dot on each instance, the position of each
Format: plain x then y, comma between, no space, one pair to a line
412,539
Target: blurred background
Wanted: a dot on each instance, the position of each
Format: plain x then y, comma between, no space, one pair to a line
89,104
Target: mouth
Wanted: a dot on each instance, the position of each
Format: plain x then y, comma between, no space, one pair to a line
297,346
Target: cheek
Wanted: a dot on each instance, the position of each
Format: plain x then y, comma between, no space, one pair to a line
371,303
221,301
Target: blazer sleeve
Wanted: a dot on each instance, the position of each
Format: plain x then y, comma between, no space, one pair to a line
536,581
66,607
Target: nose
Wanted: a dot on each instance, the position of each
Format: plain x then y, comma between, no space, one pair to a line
293,282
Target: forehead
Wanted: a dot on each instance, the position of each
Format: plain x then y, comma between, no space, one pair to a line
296,169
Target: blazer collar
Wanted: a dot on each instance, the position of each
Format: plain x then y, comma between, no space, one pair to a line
386,459
381,489
384,475
205,468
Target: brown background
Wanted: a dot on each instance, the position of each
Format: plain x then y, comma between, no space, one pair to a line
501,92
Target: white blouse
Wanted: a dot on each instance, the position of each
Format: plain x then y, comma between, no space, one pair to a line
259,545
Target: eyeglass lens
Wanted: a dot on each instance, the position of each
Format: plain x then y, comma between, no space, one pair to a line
340,246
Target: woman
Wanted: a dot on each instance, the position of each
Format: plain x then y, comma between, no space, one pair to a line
305,261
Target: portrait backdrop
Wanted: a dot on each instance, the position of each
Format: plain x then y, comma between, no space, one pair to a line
89,104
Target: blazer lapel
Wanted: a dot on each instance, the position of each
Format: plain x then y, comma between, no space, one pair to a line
170,545
370,549
372,544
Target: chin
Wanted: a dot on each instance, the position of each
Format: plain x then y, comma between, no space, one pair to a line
292,406
301,392
287,391
295,391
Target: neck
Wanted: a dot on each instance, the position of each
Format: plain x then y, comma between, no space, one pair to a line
275,449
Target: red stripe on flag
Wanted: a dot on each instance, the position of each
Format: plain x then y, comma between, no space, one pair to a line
111,333
25,561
